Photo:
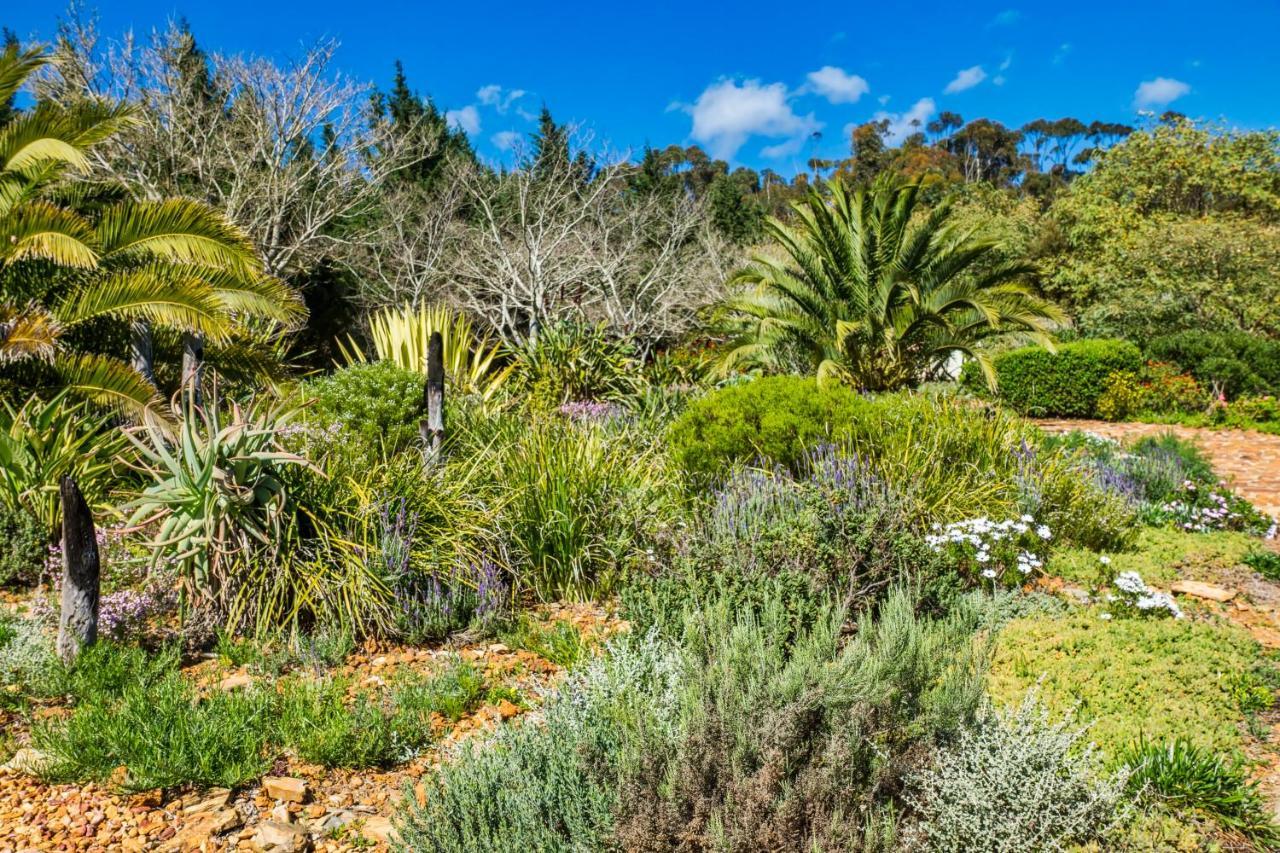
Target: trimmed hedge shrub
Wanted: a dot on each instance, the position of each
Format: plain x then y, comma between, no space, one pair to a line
774,419
1067,383
1236,362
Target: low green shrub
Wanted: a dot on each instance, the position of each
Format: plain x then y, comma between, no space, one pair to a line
25,546
161,732
735,738
558,642
1161,555
27,660
1066,383
316,719
1128,678
554,786
380,403
1265,563
1015,781
775,420
1182,775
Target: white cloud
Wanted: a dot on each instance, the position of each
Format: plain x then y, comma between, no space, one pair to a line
467,118
1060,55
505,140
837,85
1007,18
727,113
497,97
902,125
966,79
1159,92
884,99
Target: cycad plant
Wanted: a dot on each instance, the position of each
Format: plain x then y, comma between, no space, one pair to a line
472,362
77,255
870,289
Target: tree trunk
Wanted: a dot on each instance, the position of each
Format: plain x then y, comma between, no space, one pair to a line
141,352
433,427
78,622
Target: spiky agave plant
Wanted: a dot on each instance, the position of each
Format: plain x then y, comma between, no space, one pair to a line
217,496
472,361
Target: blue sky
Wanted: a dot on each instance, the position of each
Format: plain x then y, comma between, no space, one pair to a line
752,81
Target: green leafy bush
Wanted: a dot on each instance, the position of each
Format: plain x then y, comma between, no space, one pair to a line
380,402
558,642
315,718
1015,781
1237,363
1067,383
24,546
1183,775
774,419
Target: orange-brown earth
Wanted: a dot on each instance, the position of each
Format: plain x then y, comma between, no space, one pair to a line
340,810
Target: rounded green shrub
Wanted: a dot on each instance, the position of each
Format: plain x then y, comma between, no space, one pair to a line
774,419
379,402
1236,362
1066,383
24,544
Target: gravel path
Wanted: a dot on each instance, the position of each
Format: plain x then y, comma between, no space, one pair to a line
1250,461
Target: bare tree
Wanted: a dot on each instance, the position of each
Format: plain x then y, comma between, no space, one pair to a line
408,259
548,242
652,265
292,152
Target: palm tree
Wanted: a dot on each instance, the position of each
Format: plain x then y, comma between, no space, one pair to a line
871,290
73,252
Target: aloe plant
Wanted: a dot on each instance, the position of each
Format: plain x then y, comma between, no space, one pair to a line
217,494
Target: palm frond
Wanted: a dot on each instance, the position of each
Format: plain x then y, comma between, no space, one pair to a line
177,230
29,332
107,382
162,294
39,230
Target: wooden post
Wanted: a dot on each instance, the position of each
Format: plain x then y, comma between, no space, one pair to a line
433,434
78,623
192,363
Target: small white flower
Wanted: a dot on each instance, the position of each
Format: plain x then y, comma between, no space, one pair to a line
989,573
1105,560
1104,616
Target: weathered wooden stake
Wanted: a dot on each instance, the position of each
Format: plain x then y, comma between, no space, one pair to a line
78,623
192,363
433,431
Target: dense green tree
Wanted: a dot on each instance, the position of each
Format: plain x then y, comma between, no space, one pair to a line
1176,227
